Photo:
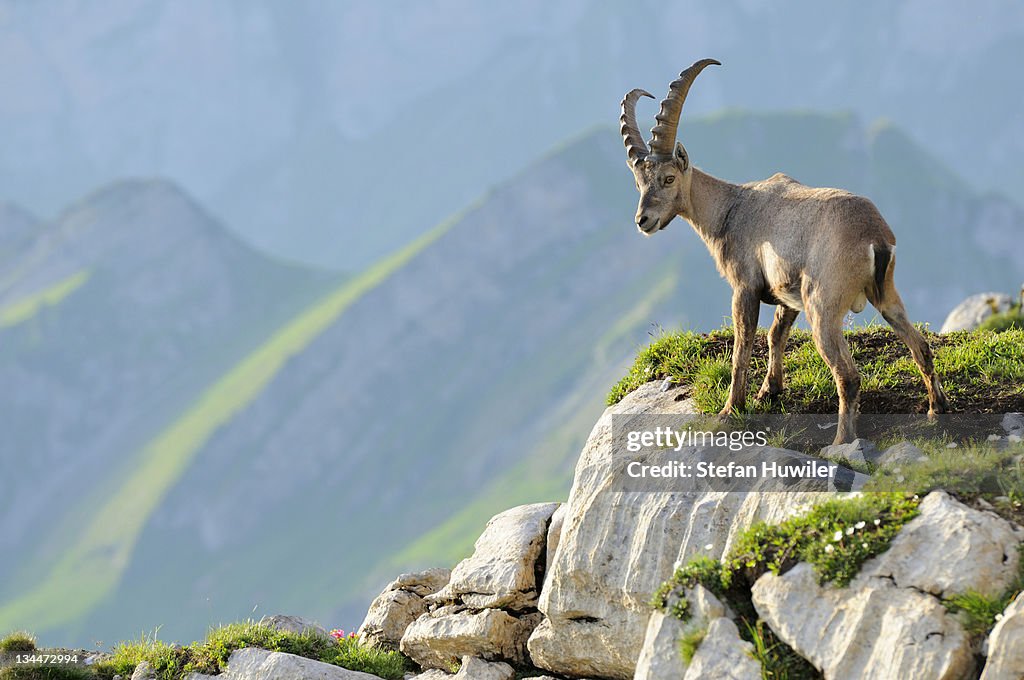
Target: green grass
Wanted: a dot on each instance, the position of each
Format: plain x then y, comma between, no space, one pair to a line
1010,320
982,371
836,537
173,662
91,567
18,641
690,643
25,309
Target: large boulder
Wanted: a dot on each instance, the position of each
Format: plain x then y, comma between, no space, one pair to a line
440,638
890,620
1006,645
252,663
293,624
400,604
970,313
870,629
617,547
507,562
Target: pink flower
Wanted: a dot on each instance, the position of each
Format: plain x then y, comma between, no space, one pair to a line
337,634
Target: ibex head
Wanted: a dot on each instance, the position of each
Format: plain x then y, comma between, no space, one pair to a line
662,172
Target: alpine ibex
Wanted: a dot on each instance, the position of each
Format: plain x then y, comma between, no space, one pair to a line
821,251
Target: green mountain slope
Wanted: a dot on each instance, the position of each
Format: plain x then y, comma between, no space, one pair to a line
379,427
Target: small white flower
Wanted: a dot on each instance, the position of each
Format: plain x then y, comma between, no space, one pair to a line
859,525
999,617
951,445
877,522
709,546
864,545
916,497
849,532
830,548
838,536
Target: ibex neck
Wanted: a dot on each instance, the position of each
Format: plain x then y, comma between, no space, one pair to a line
711,200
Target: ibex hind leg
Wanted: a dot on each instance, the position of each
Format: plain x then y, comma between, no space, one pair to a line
891,308
827,331
777,336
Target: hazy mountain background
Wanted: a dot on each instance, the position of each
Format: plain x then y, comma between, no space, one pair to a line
386,272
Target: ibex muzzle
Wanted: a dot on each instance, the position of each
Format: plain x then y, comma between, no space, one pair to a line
821,251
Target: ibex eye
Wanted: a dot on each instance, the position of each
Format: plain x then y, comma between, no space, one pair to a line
670,179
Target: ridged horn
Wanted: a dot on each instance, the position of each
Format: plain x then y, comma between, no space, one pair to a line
663,135
636,149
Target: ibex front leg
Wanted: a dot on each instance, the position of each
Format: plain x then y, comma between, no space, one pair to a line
745,306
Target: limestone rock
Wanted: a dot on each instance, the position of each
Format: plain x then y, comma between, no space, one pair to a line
400,604
259,664
858,452
476,669
722,655
970,313
293,624
1006,645
616,548
950,548
870,629
440,638
660,656
502,571
901,453
554,536
144,672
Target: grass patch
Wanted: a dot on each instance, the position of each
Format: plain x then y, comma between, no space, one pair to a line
971,473
18,641
25,309
1006,321
982,371
836,537
690,643
173,662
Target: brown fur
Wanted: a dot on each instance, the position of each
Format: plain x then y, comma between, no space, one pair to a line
821,251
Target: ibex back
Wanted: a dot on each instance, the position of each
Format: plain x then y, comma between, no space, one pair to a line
821,251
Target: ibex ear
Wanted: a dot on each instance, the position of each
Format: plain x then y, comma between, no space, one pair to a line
679,153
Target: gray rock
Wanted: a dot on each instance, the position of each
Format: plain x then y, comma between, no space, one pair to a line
554,536
970,313
400,604
1013,423
440,638
144,672
858,452
901,453
473,668
502,571
1006,645
259,664
722,655
870,629
660,655
293,624
949,549
617,548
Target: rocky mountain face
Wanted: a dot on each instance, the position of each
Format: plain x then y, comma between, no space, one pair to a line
401,409
316,103
600,556
111,317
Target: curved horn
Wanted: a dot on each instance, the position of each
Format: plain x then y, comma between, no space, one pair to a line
664,133
636,149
